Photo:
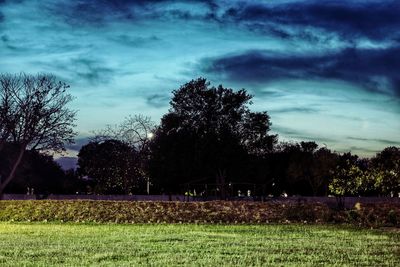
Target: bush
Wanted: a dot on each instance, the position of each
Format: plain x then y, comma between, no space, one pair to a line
193,212
149,211
392,217
307,213
353,216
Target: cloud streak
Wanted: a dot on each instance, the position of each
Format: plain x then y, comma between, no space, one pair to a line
377,140
372,69
377,20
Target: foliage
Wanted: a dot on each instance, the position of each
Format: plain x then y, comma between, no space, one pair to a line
386,171
135,131
207,136
300,169
377,176
112,166
347,176
309,166
41,175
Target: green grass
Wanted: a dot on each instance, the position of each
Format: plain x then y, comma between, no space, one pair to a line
46,244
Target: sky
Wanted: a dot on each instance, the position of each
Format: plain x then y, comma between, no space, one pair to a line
327,71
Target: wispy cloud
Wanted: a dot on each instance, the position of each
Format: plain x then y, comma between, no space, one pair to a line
157,100
295,110
300,135
385,142
135,41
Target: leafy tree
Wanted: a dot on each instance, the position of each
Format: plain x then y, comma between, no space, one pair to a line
323,162
303,168
299,167
207,135
38,172
111,164
347,177
35,116
137,132
385,169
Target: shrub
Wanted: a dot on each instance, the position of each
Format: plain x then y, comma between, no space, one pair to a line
193,212
392,217
353,216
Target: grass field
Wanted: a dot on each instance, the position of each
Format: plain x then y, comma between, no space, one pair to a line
45,244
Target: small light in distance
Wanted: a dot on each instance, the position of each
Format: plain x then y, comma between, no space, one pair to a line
150,135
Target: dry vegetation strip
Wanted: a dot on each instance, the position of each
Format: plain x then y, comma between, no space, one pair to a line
196,212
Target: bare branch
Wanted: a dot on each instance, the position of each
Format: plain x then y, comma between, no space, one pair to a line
34,114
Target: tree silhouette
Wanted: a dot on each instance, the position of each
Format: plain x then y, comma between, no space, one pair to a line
385,168
35,115
309,168
111,164
347,176
207,135
38,172
137,132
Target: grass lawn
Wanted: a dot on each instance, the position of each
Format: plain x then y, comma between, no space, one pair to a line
44,244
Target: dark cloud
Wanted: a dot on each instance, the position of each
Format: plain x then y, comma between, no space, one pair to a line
373,19
295,110
102,11
67,163
94,11
286,130
373,69
137,41
265,92
2,18
86,69
91,70
70,162
377,140
5,40
377,20
157,100
301,135
361,150
79,142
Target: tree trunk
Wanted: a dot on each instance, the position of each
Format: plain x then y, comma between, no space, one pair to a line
2,143
4,183
3,140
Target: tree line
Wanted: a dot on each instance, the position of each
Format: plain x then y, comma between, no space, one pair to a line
208,143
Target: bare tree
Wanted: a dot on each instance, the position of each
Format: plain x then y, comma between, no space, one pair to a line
36,115
136,131
8,107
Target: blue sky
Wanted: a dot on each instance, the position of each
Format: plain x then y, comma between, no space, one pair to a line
324,70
